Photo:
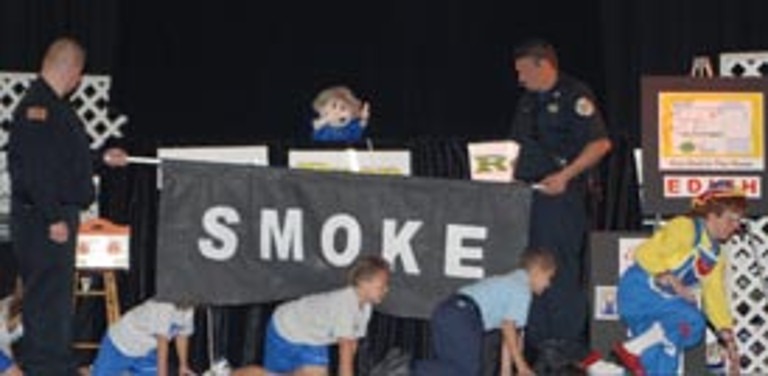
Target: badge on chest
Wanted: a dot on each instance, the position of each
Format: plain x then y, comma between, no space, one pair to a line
553,108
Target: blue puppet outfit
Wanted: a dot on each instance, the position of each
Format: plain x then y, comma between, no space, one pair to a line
684,249
350,132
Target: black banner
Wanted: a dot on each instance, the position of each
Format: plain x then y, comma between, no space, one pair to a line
234,234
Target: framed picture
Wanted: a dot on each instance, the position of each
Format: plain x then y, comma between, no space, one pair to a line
606,303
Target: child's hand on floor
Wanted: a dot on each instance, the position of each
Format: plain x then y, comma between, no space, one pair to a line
525,371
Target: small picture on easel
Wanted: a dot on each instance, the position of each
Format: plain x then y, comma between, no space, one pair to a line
606,303
102,245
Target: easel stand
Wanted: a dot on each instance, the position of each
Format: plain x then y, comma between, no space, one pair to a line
102,250
108,292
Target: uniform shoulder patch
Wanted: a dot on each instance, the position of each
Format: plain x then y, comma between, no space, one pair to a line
37,113
585,107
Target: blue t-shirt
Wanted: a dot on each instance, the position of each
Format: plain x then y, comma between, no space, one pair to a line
500,298
351,132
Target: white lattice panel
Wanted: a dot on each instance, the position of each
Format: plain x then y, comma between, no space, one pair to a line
748,255
744,64
91,101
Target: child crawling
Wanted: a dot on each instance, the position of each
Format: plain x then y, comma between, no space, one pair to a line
496,303
301,331
139,342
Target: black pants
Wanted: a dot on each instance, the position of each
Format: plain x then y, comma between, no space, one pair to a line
559,223
457,340
47,272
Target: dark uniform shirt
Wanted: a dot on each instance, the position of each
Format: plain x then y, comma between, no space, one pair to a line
49,157
554,127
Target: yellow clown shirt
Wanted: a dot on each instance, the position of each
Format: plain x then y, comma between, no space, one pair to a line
684,248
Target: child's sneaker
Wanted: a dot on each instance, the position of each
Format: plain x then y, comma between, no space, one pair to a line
596,366
219,368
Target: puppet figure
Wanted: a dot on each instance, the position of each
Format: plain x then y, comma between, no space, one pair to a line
341,116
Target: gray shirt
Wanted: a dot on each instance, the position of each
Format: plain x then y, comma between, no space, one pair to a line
322,319
135,334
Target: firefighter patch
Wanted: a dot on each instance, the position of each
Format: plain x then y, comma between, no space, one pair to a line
585,107
37,113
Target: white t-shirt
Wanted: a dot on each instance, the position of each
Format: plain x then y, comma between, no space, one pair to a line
323,319
7,338
135,334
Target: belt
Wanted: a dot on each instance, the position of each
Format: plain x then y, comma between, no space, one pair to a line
465,302
23,205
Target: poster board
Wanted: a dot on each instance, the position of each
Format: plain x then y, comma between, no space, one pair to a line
382,162
493,160
257,155
102,245
696,131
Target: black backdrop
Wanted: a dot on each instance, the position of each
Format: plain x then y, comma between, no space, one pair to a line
437,74
220,71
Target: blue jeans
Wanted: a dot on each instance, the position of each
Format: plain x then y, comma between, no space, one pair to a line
457,340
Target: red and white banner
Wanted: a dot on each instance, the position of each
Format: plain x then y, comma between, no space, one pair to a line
679,186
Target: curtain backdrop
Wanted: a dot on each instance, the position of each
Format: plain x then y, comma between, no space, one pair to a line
206,71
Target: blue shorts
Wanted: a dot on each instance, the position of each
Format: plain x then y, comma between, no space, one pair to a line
283,356
5,362
111,361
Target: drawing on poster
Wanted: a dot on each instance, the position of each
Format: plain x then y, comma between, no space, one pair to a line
710,131
627,248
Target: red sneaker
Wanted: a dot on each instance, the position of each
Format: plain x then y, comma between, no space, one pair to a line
629,360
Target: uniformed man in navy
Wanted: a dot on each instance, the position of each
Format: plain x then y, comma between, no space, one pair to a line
562,136
51,175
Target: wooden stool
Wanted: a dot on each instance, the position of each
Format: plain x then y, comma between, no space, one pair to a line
108,292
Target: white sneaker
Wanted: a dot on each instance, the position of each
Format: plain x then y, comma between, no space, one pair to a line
220,367
604,368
